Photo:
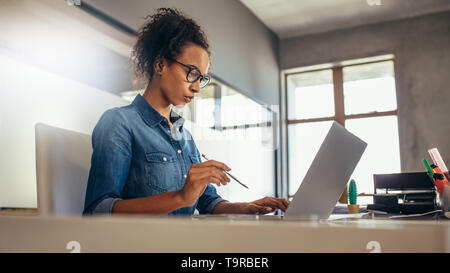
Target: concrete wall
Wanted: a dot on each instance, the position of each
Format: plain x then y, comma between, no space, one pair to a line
422,63
244,51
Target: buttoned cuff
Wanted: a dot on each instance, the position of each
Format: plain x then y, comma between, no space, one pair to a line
210,208
105,206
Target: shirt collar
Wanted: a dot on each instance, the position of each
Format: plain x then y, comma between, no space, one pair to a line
153,117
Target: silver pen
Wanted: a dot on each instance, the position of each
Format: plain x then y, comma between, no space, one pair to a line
204,156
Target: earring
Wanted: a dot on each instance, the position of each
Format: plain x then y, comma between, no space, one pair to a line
160,67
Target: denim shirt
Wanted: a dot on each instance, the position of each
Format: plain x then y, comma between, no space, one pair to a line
136,154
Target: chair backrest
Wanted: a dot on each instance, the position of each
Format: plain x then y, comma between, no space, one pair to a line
63,160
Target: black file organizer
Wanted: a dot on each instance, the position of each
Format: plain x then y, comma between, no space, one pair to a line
405,193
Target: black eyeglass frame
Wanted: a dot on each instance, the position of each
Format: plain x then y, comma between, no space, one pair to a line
200,76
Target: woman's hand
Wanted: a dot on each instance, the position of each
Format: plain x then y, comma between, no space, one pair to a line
267,205
199,176
260,206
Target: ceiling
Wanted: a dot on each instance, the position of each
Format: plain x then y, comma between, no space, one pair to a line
288,18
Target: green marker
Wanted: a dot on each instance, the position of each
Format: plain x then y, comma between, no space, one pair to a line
427,166
352,192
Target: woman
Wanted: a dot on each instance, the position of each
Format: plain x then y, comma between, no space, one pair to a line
139,164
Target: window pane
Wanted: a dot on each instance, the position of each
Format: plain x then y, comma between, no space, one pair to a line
310,95
238,109
382,154
304,142
369,88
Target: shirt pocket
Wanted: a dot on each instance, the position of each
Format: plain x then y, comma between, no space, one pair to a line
161,171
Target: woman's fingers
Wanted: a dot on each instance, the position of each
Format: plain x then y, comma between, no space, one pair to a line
285,202
260,209
209,173
212,171
275,202
282,205
209,169
202,173
214,180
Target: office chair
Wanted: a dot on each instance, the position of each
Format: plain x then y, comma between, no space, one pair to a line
63,161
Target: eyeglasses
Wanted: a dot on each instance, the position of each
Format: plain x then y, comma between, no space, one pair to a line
194,75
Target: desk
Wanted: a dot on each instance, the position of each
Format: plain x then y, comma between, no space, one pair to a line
152,234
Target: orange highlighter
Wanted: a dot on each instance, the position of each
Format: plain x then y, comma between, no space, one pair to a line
439,179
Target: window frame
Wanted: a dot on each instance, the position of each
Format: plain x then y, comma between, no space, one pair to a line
339,113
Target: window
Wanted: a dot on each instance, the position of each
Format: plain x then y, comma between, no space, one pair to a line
361,97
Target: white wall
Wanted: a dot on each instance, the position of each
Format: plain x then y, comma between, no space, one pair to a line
29,95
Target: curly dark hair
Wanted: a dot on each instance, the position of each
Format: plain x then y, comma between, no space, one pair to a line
163,36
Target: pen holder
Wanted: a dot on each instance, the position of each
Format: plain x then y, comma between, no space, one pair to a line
353,208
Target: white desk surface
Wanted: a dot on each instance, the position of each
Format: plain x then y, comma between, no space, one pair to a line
220,234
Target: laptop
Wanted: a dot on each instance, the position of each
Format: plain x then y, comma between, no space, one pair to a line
327,176
325,180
